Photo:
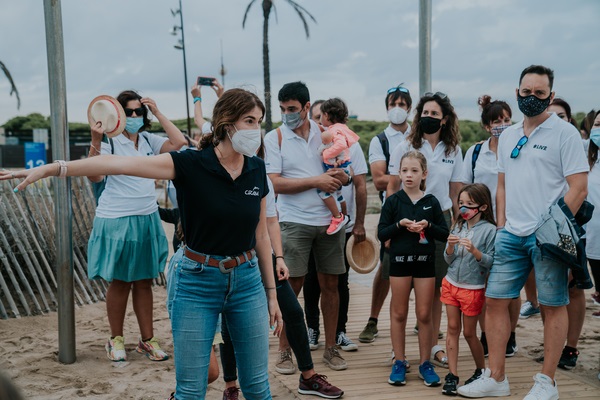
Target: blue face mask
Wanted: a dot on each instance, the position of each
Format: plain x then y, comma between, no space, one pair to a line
133,125
595,136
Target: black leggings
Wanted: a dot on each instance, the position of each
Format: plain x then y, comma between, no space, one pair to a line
595,267
312,293
295,330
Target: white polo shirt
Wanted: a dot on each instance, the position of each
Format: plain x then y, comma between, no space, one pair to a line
442,169
297,158
125,195
271,207
536,178
394,138
486,169
592,229
359,167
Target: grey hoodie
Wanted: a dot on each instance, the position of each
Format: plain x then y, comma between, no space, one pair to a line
464,270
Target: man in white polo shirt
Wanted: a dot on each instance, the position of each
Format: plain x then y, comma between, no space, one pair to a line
295,167
540,160
398,104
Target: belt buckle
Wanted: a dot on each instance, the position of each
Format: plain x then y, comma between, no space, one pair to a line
222,267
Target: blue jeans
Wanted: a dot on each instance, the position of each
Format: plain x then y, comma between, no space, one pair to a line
513,260
197,295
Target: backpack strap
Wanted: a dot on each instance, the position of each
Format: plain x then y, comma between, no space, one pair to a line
279,137
476,152
385,146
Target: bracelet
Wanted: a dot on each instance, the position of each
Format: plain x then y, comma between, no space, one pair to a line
95,148
276,257
398,224
270,288
62,168
197,99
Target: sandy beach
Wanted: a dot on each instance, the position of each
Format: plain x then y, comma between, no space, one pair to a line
29,346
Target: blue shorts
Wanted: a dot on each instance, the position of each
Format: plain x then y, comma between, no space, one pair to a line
513,260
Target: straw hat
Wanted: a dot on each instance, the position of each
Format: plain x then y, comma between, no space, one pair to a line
108,110
364,256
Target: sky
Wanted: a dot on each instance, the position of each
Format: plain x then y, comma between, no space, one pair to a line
357,50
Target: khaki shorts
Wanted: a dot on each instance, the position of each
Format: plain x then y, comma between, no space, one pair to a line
298,241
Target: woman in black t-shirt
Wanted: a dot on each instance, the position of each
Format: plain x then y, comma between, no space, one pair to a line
221,194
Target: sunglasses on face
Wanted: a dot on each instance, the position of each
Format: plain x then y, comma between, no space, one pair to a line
439,95
138,111
398,89
517,150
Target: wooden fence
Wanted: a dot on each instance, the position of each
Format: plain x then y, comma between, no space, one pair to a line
28,252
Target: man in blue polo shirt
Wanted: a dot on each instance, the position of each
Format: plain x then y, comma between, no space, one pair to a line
296,170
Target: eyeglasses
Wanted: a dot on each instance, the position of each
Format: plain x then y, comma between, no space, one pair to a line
398,88
517,150
138,111
440,95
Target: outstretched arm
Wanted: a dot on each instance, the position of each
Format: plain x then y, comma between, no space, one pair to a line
155,167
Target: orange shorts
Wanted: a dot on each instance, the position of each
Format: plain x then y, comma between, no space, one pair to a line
470,301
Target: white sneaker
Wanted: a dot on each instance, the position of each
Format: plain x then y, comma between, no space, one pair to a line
345,343
485,386
543,389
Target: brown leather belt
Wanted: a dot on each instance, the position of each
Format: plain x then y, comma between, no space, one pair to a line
224,264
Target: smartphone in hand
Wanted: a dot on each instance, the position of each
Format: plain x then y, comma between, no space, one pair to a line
205,81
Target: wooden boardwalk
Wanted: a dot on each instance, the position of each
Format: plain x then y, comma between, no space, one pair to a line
368,370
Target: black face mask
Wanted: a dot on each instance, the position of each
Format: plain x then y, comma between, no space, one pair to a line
430,125
532,105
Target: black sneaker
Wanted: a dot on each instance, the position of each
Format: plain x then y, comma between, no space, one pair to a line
511,347
450,385
475,376
483,341
568,359
313,339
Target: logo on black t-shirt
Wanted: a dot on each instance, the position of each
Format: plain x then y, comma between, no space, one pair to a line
253,192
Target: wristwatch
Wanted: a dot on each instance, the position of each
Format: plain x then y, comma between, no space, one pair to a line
349,181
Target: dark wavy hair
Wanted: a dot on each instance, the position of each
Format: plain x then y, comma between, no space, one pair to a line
336,109
562,103
593,148
294,91
450,133
480,194
232,105
128,95
492,110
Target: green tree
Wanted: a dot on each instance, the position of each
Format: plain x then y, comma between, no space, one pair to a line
13,87
267,6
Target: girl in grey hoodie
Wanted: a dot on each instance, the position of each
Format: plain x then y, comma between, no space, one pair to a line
469,253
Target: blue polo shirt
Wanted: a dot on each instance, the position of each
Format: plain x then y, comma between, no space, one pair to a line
218,215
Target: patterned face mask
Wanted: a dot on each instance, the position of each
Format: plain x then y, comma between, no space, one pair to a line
531,105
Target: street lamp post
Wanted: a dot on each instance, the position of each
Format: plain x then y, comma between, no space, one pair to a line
181,46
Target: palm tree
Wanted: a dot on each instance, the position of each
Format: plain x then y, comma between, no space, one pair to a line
267,6
13,88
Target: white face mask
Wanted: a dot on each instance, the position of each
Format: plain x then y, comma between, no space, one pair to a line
397,115
246,141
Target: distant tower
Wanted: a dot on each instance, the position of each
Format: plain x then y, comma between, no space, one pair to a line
223,71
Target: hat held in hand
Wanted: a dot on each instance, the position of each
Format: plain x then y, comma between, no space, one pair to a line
109,112
364,256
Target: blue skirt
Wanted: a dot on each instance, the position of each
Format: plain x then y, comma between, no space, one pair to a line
127,249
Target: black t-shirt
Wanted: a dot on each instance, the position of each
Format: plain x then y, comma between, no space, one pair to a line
218,215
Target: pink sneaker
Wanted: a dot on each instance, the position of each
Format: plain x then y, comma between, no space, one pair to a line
337,224
152,350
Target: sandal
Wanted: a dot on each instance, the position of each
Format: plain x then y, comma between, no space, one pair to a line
439,361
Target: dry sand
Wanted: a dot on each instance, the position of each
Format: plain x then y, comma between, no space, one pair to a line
28,354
